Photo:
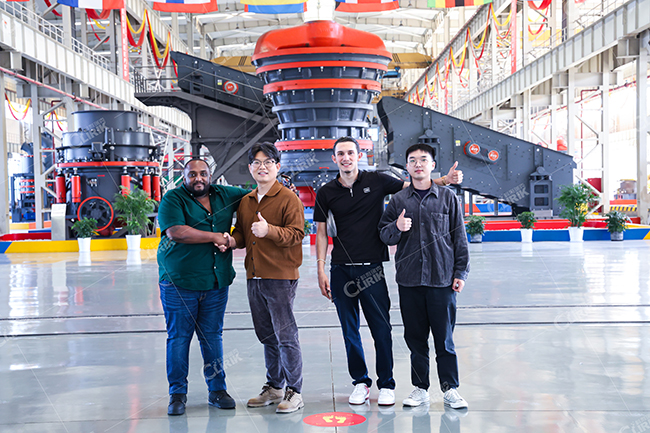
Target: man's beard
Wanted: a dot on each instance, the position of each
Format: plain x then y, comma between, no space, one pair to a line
195,193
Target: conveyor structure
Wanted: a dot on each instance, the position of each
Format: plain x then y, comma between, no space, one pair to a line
228,110
498,166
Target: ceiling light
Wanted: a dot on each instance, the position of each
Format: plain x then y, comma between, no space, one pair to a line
227,7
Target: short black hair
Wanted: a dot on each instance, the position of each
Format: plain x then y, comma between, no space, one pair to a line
267,148
196,158
346,139
424,147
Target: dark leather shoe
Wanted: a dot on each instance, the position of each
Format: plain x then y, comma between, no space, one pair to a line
176,404
221,399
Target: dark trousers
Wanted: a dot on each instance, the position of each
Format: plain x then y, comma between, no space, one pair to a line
187,312
352,286
432,309
271,303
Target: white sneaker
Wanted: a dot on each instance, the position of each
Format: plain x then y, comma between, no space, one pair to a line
360,394
417,397
386,397
454,400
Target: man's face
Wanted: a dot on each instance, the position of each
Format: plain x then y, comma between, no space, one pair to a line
197,178
346,157
420,165
264,169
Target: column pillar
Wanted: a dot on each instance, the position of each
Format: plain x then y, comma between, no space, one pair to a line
39,178
571,110
189,32
604,133
642,198
4,168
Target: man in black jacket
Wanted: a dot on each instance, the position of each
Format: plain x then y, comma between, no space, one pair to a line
432,264
352,204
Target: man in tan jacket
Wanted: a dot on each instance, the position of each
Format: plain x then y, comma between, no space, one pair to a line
270,225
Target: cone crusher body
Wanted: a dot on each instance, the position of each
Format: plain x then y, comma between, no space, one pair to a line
106,152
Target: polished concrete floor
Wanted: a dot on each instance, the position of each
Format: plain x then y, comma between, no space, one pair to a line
551,337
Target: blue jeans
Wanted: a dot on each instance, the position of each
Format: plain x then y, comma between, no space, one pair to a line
352,286
187,312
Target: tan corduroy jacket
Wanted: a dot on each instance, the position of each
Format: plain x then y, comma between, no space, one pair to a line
278,255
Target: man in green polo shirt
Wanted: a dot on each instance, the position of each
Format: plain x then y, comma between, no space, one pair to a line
195,273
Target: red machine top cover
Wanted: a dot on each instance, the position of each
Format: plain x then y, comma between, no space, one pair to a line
318,37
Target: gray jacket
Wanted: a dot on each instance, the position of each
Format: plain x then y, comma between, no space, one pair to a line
435,250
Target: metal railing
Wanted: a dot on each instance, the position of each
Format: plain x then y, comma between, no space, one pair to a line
51,31
585,18
150,79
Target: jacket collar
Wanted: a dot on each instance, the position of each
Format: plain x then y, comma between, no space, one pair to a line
275,189
435,189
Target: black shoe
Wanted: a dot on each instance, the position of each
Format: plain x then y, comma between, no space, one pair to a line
221,399
176,404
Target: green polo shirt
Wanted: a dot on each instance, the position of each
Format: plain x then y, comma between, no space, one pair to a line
197,266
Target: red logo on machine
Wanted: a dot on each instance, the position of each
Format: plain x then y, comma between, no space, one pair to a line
230,87
472,149
493,155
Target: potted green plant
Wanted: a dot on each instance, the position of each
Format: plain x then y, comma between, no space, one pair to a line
307,238
616,224
475,228
133,209
85,229
527,221
575,201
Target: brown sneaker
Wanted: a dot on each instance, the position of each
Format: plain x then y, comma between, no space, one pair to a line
269,395
292,402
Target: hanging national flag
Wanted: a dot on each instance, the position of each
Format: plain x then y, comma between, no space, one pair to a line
17,0
440,4
277,9
358,6
271,2
186,6
93,4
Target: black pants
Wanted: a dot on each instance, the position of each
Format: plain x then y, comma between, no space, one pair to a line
424,309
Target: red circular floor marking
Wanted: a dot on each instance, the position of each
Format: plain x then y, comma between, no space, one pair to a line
334,419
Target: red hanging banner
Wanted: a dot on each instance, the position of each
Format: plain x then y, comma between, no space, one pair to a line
125,44
513,36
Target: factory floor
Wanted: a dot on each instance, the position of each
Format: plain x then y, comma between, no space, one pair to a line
551,337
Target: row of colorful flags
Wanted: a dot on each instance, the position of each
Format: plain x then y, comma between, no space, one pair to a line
266,6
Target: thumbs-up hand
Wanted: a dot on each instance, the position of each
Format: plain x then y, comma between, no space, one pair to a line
403,223
454,176
261,227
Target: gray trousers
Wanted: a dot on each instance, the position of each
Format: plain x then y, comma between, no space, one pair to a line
271,303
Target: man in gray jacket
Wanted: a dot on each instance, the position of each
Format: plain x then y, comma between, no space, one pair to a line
426,223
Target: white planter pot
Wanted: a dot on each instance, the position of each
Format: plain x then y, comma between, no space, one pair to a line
527,235
84,245
133,242
575,234
476,239
616,236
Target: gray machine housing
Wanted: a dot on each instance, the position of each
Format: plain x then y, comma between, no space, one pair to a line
525,176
